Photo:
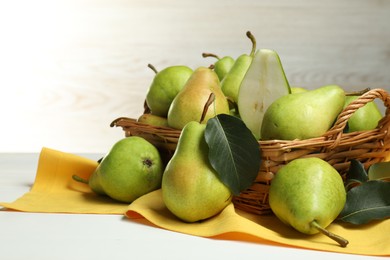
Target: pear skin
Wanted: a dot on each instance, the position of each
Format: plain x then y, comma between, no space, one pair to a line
308,194
222,66
165,86
365,118
298,89
154,120
132,168
230,85
190,187
264,82
303,115
93,182
189,103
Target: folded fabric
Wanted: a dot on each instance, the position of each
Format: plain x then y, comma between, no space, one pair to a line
231,223
55,191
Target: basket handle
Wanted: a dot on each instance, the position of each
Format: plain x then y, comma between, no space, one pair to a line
336,131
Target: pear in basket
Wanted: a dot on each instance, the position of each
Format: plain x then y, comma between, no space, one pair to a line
308,194
303,115
365,118
191,189
189,103
165,86
222,66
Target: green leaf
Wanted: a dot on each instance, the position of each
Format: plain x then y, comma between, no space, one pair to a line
367,202
233,151
356,175
379,171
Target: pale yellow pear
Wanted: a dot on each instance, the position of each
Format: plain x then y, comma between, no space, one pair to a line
191,188
189,103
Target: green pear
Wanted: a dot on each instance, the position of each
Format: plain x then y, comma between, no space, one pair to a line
308,194
132,168
189,103
222,66
165,86
153,120
93,181
191,188
303,115
230,85
298,89
365,118
264,82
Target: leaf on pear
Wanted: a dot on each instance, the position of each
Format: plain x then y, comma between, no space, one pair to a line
233,151
366,202
356,175
379,171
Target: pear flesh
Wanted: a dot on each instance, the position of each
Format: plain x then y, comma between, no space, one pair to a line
307,194
189,103
264,82
191,189
303,115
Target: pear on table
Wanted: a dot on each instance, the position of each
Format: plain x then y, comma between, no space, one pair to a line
308,194
191,189
132,168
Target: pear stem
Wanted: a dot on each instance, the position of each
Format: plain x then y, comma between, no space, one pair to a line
342,241
79,179
209,101
153,68
207,54
357,93
253,40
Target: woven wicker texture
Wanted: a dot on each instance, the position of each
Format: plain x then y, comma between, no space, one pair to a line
335,147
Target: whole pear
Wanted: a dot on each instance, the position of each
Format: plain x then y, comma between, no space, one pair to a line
165,86
303,115
154,120
189,103
365,118
308,194
222,66
132,168
231,82
191,189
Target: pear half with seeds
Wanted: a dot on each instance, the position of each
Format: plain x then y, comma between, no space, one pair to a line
264,82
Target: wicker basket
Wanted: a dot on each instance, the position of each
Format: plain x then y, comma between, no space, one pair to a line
335,147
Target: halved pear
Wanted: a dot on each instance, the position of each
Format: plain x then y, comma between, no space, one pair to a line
264,82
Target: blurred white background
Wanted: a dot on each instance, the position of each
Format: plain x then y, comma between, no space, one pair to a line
70,67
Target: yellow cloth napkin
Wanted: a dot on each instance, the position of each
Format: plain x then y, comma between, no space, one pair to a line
54,191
